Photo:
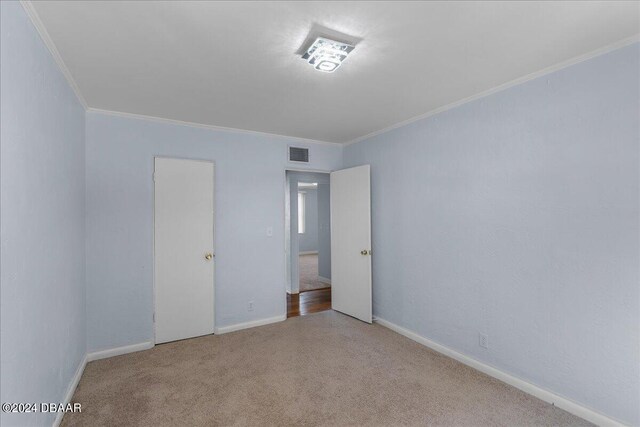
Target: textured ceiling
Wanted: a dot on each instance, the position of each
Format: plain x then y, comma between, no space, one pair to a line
234,64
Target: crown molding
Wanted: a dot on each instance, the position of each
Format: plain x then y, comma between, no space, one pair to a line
46,38
208,127
564,64
48,41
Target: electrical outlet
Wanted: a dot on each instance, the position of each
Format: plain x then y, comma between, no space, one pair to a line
483,340
250,306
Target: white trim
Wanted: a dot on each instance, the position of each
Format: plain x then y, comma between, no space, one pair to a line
324,280
532,389
46,38
251,324
564,64
48,41
71,389
209,127
103,354
308,253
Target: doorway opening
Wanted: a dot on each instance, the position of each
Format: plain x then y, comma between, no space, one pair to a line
308,236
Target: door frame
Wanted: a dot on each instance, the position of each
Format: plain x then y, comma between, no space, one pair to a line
287,227
153,232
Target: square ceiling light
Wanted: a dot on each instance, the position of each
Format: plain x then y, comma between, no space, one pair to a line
326,55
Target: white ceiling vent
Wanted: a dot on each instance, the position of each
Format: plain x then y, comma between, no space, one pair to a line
298,154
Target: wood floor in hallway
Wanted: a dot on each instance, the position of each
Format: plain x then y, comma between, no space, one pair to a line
308,302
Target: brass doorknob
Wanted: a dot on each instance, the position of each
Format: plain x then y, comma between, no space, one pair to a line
364,252
208,256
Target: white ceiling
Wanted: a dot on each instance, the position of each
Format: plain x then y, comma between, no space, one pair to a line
234,64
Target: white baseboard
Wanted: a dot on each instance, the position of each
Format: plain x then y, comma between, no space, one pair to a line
95,356
71,389
308,253
103,354
324,280
542,394
252,324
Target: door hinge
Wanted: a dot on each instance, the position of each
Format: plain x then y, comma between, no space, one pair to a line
154,317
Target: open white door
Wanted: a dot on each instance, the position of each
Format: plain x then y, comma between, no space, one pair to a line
351,242
183,249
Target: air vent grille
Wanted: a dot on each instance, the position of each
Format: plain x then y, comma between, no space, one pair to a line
297,154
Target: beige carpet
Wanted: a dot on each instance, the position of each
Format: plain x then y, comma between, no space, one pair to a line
322,369
308,270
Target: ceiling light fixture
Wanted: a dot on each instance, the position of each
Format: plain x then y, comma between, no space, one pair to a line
326,55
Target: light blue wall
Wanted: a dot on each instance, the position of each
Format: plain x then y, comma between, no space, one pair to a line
250,183
308,241
516,215
42,222
324,231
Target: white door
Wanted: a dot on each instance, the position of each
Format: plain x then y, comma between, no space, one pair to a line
351,242
183,249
